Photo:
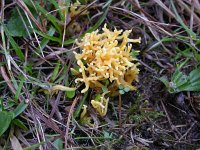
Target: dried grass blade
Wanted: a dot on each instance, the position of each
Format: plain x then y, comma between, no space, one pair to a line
161,4
15,143
26,9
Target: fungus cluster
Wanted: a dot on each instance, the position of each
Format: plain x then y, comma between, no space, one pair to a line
105,60
106,56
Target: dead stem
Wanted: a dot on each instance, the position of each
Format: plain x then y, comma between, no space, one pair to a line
69,120
120,111
173,127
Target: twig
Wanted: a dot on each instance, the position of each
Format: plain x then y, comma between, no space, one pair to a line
69,119
170,122
147,67
120,111
5,77
187,132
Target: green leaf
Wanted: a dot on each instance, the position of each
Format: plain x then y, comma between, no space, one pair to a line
121,87
177,75
10,104
34,146
20,124
45,41
5,120
18,92
75,70
71,94
78,110
1,105
97,97
16,23
194,75
55,72
179,19
104,88
105,82
181,82
134,54
196,83
50,17
14,44
107,135
55,3
47,36
197,57
126,89
29,68
70,41
121,92
192,88
20,108
58,144
164,80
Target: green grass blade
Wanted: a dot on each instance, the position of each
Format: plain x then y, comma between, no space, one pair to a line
55,72
55,3
20,124
19,88
5,120
194,75
50,17
34,146
14,45
20,108
178,18
49,37
45,41
176,76
99,22
70,41
78,110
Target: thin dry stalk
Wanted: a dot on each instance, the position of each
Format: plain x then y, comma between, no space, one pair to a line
120,111
170,122
26,9
69,120
7,80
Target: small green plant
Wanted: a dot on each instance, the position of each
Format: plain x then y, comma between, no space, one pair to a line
181,82
123,89
8,118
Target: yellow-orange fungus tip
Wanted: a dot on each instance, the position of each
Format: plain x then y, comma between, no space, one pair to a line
101,105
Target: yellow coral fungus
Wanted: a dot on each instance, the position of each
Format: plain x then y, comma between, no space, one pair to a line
107,55
84,118
84,112
101,104
76,8
54,89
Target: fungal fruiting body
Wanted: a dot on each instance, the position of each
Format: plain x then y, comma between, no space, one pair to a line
105,60
107,56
